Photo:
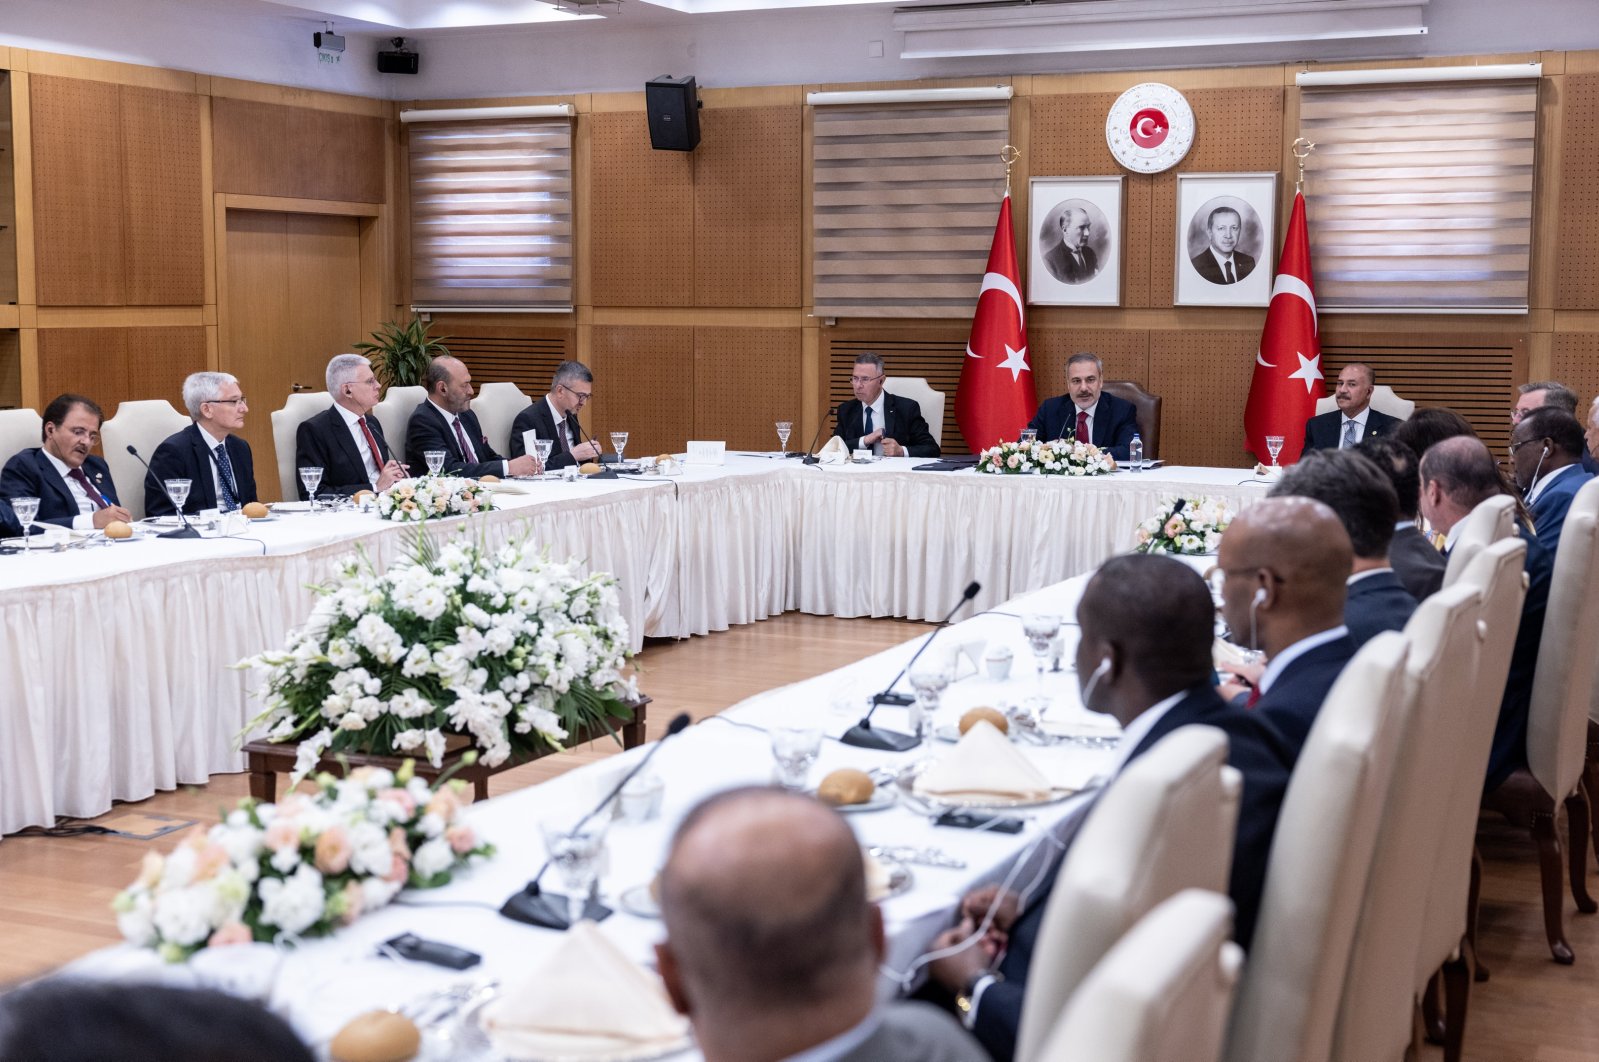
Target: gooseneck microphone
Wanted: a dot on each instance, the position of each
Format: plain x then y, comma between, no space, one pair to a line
531,905
862,735
181,531
809,456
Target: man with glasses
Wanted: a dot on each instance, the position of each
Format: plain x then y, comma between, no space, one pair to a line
1546,459
208,453
1551,394
345,441
886,424
73,486
555,418
446,422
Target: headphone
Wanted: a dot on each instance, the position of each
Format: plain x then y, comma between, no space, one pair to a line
1093,679
1260,596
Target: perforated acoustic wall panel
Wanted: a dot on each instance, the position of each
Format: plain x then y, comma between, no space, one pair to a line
159,359
1577,254
641,215
934,351
162,200
747,212
644,383
77,192
113,365
1203,378
745,380
1125,354
515,355
1575,363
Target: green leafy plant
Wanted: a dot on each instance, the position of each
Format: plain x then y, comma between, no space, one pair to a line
401,353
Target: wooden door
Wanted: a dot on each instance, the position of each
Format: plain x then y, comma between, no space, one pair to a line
293,301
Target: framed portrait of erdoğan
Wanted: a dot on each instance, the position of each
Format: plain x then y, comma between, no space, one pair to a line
1225,239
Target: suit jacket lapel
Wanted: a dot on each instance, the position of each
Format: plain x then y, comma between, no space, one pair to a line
346,441
382,456
52,480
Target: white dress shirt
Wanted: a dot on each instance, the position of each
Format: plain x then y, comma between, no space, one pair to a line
1222,261
1359,420
449,426
1548,478
373,463
560,422
84,521
211,444
877,420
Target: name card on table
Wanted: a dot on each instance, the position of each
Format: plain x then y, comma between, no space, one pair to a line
706,453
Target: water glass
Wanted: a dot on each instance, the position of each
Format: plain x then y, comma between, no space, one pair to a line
541,450
26,509
1274,446
785,428
795,748
310,479
1041,628
575,850
178,491
435,460
619,443
929,681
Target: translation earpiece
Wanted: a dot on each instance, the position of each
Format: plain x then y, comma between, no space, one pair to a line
1260,596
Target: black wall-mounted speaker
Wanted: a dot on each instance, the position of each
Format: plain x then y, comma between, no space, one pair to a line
674,110
398,62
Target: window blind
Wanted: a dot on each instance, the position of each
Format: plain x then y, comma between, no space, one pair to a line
1420,195
491,214
905,197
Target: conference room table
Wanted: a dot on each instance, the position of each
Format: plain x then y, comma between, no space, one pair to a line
115,660
321,984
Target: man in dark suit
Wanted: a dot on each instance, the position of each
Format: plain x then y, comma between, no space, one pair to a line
446,422
875,420
1457,474
345,441
1085,412
1351,485
1222,262
1354,421
215,461
10,526
1417,562
73,486
1286,563
1552,394
772,948
1072,261
1143,657
570,390
1546,457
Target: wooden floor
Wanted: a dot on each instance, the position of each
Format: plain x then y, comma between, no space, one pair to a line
55,891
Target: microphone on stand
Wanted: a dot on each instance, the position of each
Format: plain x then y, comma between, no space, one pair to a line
183,531
809,456
531,905
861,735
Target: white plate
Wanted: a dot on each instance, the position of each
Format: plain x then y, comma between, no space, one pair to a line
291,507
638,902
881,799
474,1042
906,781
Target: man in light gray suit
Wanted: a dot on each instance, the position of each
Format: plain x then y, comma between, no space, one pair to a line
771,947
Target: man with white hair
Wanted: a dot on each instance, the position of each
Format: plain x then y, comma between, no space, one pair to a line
345,441
207,453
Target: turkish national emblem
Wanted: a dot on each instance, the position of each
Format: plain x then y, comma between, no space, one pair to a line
996,398
1288,377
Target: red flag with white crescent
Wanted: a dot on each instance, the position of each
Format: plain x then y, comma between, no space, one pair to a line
996,398
1288,377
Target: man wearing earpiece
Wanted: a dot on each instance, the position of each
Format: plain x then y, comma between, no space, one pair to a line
345,441
1546,457
1143,657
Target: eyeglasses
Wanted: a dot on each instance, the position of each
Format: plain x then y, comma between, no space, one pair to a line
1518,445
226,401
865,379
579,395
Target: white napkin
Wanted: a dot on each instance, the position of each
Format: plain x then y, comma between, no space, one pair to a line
877,879
833,452
984,764
585,1000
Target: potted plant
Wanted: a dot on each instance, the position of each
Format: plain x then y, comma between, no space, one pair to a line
401,353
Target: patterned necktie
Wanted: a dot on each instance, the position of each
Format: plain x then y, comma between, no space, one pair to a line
466,448
96,499
230,498
1082,425
868,428
1349,435
372,444
1227,266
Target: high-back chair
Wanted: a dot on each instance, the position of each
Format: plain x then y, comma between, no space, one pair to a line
1320,859
1162,992
286,422
1165,824
394,413
1493,519
144,425
20,429
1383,400
1146,407
918,390
496,406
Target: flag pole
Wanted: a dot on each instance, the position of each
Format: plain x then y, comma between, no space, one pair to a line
1302,150
1009,156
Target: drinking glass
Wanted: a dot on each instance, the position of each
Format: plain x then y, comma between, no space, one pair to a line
435,460
541,450
178,491
1041,628
576,850
619,443
785,428
1274,446
26,509
929,680
795,748
311,478
1029,436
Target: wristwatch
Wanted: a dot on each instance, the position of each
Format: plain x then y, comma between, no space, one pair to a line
966,999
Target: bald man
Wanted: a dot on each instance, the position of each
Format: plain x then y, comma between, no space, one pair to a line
1457,475
1286,564
446,422
771,947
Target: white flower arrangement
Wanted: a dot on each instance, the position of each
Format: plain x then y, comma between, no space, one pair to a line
502,645
1058,457
430,497
1184,525
302,866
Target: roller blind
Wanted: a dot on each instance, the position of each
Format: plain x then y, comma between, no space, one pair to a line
1420,195
905,197
491,214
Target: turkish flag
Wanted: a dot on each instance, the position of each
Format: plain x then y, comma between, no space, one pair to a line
996,399
1288,378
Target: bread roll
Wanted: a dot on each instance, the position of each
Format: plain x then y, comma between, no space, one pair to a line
118,529
376,1036
361,496
254,510
588,468
846,786
488,479
993,716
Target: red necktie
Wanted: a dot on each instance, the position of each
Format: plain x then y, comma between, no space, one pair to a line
1082,426
1254,695
466,447
372,444
95,497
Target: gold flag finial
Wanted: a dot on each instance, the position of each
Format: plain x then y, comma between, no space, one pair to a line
1302,150
1009,156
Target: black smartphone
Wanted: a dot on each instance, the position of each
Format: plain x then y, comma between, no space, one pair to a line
965,820
418,949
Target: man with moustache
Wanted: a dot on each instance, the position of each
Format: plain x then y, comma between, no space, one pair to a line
1085,412
73,486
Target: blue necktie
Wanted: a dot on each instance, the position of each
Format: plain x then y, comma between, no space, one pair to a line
230,500
868,430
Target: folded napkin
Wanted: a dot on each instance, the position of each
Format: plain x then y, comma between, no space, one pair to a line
984,764
833,452
585,1000
877,878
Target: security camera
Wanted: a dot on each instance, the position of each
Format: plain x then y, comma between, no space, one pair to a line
327,41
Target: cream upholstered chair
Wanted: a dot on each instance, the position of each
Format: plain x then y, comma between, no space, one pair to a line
1557,719
496,406
1165,824
1320,859
142,425
918,390
1383,400
394,413
1448,932
1493,519
20,429
1162,992
1375,1015
285,425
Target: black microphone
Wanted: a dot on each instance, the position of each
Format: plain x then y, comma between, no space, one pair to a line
182,531
809,456
861,735
531,905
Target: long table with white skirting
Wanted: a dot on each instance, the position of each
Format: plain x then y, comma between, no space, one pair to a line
114,660
323,984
